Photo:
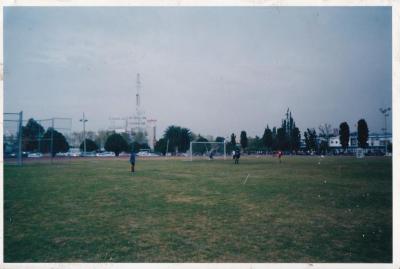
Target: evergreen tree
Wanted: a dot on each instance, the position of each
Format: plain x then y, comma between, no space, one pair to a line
274,139
161,146
281,139
53,142
344,135
267,138
90,145
116,143
362,134
32,134
310,139
243,140
295,139
233,140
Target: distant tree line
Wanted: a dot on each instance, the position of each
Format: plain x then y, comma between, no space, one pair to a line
286,137
176,139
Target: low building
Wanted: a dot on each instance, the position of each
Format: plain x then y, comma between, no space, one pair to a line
376,142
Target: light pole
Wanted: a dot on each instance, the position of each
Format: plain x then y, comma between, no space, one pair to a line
385,112
84,120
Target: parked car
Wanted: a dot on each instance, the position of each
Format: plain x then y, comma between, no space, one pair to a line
35,155
105,154
88,154
74,152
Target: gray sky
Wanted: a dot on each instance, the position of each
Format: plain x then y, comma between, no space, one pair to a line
214,70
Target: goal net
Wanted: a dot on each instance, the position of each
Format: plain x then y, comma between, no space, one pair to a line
207,150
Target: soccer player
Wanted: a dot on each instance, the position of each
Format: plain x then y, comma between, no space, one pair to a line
132,161
237,156
280,156
211,156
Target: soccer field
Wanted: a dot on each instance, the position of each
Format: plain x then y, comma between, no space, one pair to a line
261,210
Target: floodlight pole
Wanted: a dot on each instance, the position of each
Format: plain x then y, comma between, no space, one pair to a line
20,139
385,112
84,120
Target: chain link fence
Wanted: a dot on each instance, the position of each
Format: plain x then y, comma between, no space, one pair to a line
43,140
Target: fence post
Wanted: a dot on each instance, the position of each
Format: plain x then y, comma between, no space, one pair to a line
52,136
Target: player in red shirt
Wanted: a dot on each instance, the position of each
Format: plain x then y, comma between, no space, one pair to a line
280,153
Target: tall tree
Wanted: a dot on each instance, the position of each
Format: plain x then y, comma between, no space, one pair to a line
295,139
310,138
161,146
184,139
362,135
116,143
292,135
32,134
344,135
90,145
255,144
274,139
233,139
243,139
281,139
172,134
267,138
178,138
53,142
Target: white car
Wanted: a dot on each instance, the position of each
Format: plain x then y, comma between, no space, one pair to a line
88,154
143,153
106,154
146,154
35,155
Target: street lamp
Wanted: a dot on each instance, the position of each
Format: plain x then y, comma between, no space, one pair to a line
385,112
84,120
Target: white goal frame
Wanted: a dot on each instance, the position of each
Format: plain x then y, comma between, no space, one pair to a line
194,142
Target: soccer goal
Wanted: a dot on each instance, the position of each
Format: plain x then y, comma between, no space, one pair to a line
207,150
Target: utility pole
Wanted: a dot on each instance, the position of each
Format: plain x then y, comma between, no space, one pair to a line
84,120
385,112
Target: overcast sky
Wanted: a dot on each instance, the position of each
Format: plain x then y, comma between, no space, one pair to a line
214,70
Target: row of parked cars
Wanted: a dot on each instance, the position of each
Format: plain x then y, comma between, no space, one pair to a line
75,153
86,154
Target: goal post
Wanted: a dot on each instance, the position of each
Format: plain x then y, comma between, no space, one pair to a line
205,148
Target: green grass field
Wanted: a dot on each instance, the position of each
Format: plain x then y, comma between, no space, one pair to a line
176,211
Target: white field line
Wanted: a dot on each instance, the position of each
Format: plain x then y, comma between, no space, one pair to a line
246,179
